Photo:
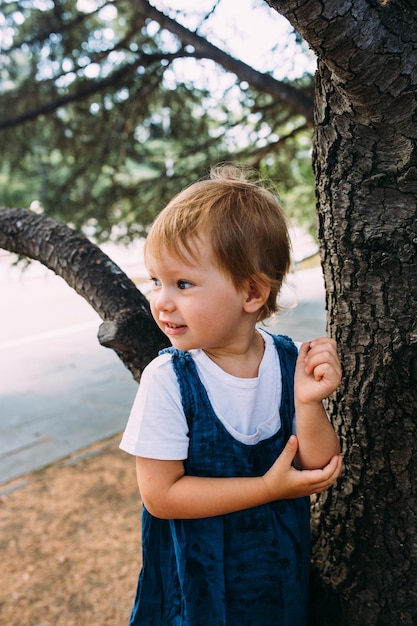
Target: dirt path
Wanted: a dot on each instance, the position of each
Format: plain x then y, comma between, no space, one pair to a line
70,542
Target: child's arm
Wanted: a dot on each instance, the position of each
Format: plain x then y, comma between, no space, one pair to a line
317,375
170,494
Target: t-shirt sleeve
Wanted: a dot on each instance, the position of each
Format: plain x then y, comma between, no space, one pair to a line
157,427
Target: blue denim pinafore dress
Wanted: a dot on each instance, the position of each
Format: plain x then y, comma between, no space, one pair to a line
248,568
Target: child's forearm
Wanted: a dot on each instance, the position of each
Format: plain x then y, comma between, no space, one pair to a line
317,374
169,494
198,497
317,441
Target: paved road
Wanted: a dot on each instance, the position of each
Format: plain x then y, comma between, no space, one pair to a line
60,391
304,315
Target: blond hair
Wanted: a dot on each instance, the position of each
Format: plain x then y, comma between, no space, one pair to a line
242,220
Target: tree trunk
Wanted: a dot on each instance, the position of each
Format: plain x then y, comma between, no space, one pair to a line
365,159
367,229
127,325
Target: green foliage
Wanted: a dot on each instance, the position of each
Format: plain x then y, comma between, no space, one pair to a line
106,116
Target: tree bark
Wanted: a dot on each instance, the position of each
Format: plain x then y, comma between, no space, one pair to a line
365,160
128,326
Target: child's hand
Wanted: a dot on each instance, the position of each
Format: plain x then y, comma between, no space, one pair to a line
283,481
318,372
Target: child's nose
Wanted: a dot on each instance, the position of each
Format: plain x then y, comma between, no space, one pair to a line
164,300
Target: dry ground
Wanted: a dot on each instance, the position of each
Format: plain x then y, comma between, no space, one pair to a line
70,542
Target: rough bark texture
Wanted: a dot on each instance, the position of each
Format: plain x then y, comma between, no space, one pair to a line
127,325
365,159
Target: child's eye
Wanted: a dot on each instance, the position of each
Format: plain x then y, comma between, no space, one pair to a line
155,281
184,284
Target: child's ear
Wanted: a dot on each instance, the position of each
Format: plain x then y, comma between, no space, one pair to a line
256,294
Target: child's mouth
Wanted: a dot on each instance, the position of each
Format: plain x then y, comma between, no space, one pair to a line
174,329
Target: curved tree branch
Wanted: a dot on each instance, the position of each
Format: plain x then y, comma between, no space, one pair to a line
127,325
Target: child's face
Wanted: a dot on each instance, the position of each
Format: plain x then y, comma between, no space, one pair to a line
193,302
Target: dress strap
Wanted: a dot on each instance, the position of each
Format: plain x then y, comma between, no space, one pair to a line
288,353
191,388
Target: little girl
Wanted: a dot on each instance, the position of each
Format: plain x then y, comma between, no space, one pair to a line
228,425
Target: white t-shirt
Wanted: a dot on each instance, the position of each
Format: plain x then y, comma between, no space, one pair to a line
247,407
